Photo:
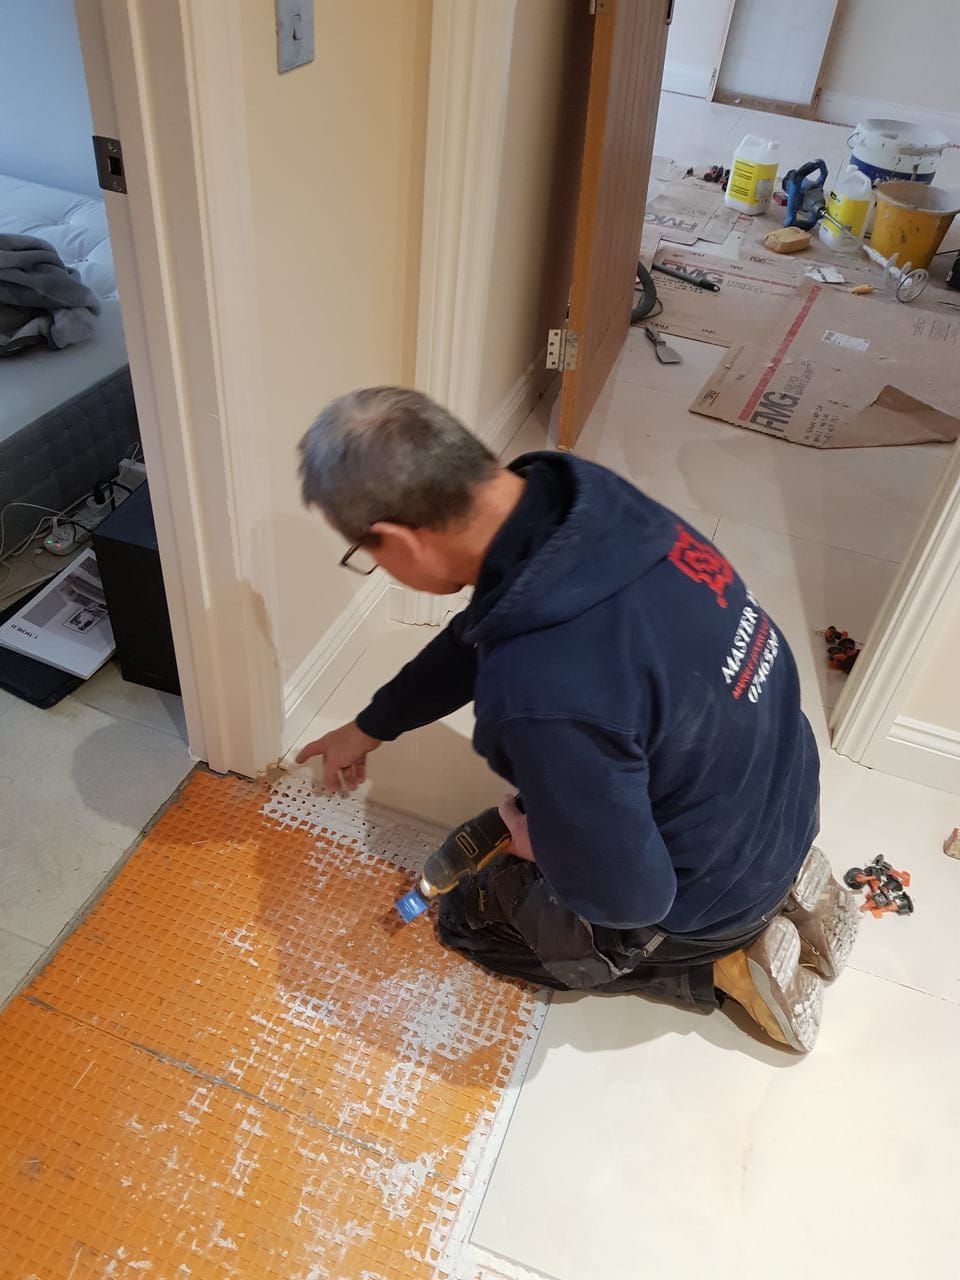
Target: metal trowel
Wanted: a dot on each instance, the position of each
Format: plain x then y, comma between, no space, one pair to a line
665,354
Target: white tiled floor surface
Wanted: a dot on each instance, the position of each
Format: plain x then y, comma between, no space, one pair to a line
651,1141
78,782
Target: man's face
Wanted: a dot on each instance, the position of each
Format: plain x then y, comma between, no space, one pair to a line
415,558
414,562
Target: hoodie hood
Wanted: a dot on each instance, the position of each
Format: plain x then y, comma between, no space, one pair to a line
610,535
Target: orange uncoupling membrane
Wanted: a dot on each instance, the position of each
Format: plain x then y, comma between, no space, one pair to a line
237,1066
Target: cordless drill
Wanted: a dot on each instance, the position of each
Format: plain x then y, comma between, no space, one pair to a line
471,846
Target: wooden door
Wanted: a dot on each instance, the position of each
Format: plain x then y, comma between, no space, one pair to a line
629,40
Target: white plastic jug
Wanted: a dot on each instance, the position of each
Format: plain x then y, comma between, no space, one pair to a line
848,204
753,174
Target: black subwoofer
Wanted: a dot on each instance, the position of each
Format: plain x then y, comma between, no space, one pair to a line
126,547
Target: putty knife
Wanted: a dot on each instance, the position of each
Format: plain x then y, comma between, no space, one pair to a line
665,354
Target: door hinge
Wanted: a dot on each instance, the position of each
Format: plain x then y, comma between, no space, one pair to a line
599,6
109,157
562,347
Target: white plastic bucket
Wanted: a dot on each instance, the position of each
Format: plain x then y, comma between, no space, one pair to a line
888,149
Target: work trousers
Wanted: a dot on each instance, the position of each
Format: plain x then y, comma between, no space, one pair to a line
508,920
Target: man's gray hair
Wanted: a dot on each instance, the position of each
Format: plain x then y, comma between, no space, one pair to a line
385,453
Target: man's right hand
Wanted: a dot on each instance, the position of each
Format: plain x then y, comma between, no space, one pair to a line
344,752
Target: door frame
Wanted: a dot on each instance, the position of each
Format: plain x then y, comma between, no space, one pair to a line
867,724
167,80
471,43
470,51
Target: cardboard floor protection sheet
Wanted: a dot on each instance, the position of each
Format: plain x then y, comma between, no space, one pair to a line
838,371
751,301
684,209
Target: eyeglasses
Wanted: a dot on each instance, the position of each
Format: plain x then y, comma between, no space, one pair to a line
359,559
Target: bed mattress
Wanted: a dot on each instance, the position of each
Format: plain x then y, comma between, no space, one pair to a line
66,417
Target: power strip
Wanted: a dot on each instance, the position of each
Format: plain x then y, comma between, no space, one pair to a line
131,473
74,532
61,541
95,512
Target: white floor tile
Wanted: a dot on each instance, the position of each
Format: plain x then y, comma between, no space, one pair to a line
17,957
806,587
691,135
863,813
867,500
109,692
649,1141
539,429
638,364
703,521
76,787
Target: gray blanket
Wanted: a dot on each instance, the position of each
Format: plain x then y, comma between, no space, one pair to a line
41,300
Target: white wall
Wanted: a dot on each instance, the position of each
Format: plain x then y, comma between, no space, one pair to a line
933,696
888,58
45,124
336,158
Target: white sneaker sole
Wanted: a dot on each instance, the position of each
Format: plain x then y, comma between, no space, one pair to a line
812,879
825,914
793,995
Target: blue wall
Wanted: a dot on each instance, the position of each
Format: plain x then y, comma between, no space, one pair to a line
45,124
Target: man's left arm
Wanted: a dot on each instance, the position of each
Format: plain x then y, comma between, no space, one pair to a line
590,825
439,680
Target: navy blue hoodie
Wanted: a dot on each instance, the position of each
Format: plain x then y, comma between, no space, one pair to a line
634,691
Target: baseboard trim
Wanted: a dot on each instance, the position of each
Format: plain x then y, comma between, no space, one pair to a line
919,752
776,106
420,609
693,80
500,426
932,737
846,108
340,647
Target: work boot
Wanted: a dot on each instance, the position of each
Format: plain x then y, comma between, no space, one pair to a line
768,980
826,915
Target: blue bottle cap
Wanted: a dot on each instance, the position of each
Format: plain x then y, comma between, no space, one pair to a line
411,905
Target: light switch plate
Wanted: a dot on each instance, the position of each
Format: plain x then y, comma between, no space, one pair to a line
294,33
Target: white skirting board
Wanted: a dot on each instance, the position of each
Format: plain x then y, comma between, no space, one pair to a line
340,647
846,108
515,407
346,639
689,79
919,752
